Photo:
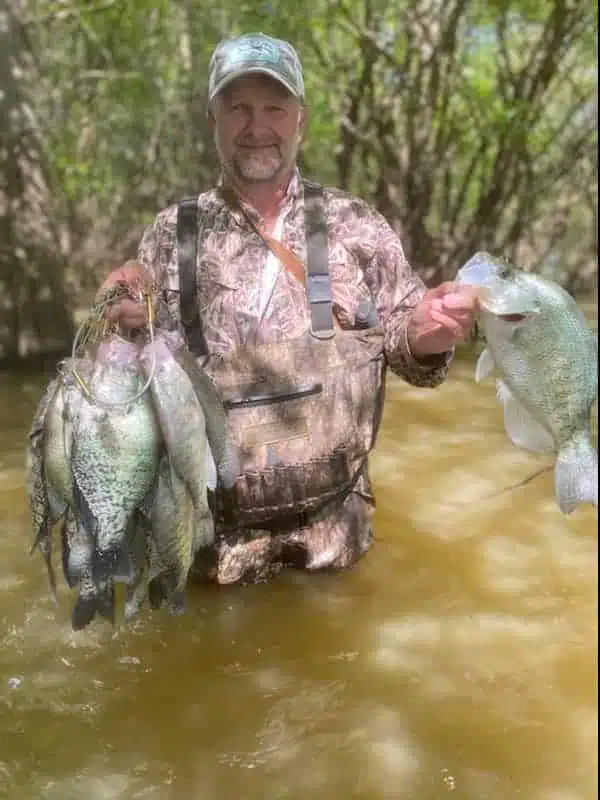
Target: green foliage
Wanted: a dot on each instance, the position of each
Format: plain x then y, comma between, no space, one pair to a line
470,125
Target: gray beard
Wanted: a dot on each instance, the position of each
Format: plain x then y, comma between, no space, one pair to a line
257,170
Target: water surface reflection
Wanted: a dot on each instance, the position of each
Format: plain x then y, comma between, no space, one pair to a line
458,659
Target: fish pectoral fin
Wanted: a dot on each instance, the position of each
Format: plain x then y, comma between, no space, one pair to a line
485,366
576,474
521,428
56,504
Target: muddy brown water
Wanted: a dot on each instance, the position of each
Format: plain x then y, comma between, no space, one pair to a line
458,659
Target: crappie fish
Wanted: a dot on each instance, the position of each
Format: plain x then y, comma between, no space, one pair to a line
115,455
48,481
183,417
51,496
538,340
225,455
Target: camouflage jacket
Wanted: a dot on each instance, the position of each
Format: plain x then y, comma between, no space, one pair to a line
366,261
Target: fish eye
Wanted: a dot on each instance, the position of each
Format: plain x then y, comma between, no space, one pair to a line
504,268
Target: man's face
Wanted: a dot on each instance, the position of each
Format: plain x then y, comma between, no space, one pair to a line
257,128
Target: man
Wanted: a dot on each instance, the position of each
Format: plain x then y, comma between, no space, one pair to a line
304,496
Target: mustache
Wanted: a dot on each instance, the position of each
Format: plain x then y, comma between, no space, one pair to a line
249,141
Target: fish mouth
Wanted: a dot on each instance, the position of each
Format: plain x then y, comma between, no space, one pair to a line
500,292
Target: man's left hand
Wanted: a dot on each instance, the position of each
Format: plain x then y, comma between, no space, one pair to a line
443,318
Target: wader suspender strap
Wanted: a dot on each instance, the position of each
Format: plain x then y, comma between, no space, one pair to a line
187,244
318,281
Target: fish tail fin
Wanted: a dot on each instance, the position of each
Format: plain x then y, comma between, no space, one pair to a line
576,473
86,608
156,593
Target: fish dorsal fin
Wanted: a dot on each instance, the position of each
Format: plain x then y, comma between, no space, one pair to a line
485,366
521,428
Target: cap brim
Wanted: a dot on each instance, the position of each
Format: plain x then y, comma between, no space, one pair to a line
225,81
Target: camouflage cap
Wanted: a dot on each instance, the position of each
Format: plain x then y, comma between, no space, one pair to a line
251,53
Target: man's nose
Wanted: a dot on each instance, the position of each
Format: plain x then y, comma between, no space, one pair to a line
256,121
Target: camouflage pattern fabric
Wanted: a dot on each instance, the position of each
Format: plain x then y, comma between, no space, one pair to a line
366,263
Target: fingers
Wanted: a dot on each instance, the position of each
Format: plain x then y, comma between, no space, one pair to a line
131,274
455,312
127,313
455,295
455,302
457,329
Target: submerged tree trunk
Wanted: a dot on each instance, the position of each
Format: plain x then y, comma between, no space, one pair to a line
34,313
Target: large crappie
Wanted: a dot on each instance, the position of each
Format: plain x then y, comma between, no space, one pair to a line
115,455
189,414
49,488
539,342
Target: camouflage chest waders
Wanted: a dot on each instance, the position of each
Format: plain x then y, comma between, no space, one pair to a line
305,412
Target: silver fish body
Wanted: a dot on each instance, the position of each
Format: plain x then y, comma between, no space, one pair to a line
48,482
223,451
538,340
183,426
115,455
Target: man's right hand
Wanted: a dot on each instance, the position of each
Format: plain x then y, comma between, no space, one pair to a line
128,313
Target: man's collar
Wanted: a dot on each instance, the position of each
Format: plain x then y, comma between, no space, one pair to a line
292,193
